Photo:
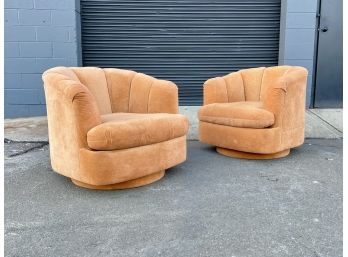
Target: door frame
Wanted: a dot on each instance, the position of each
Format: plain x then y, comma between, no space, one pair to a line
282,43
316,63
315,58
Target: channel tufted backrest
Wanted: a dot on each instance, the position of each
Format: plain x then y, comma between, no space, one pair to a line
252,81
251,84
92,78
130,91
110,87
244,85
95,80
134,92
119,84
115,90
118,90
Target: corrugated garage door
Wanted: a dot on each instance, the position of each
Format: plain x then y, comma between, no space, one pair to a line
184,41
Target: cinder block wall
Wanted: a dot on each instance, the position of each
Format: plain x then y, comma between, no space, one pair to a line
298,36
39,34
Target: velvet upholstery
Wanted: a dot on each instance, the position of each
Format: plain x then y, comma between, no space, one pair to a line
258,110
246,114
110,126
127,130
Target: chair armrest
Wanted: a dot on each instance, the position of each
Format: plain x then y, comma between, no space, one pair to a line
69,103
295,75
86,111
286,99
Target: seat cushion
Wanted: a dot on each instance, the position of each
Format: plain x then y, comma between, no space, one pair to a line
127,130
237,114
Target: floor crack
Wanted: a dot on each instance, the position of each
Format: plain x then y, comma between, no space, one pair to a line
40,144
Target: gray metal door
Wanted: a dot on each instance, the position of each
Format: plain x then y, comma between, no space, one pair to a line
329,73
186,41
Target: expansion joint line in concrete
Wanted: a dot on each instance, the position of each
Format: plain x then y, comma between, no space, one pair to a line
328,123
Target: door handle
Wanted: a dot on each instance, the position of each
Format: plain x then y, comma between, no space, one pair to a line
324,29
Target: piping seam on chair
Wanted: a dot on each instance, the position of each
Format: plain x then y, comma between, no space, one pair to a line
241,75
237,120
148,96
229,118
286,83
263,73
107,86
130,90
282,107
228,100
75,74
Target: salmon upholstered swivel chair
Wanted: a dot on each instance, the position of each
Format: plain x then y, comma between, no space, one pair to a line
112,128
255,113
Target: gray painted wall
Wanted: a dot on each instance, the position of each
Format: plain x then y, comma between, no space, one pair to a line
298,36
39,34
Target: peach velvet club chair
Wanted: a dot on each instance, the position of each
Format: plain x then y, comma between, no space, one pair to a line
112,128
256,113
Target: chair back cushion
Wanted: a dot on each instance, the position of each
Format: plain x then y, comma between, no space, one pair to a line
94,79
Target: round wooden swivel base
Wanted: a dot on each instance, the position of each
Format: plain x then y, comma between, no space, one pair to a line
253,156
124,185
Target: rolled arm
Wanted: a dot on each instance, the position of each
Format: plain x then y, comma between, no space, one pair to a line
86,112
296,75
69,103
287,97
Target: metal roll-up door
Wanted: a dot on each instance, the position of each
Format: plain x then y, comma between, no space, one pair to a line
186,41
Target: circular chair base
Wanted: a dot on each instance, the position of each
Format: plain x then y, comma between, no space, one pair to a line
126,184
253,156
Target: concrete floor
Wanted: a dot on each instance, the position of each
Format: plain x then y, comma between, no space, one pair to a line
210,205
320,123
